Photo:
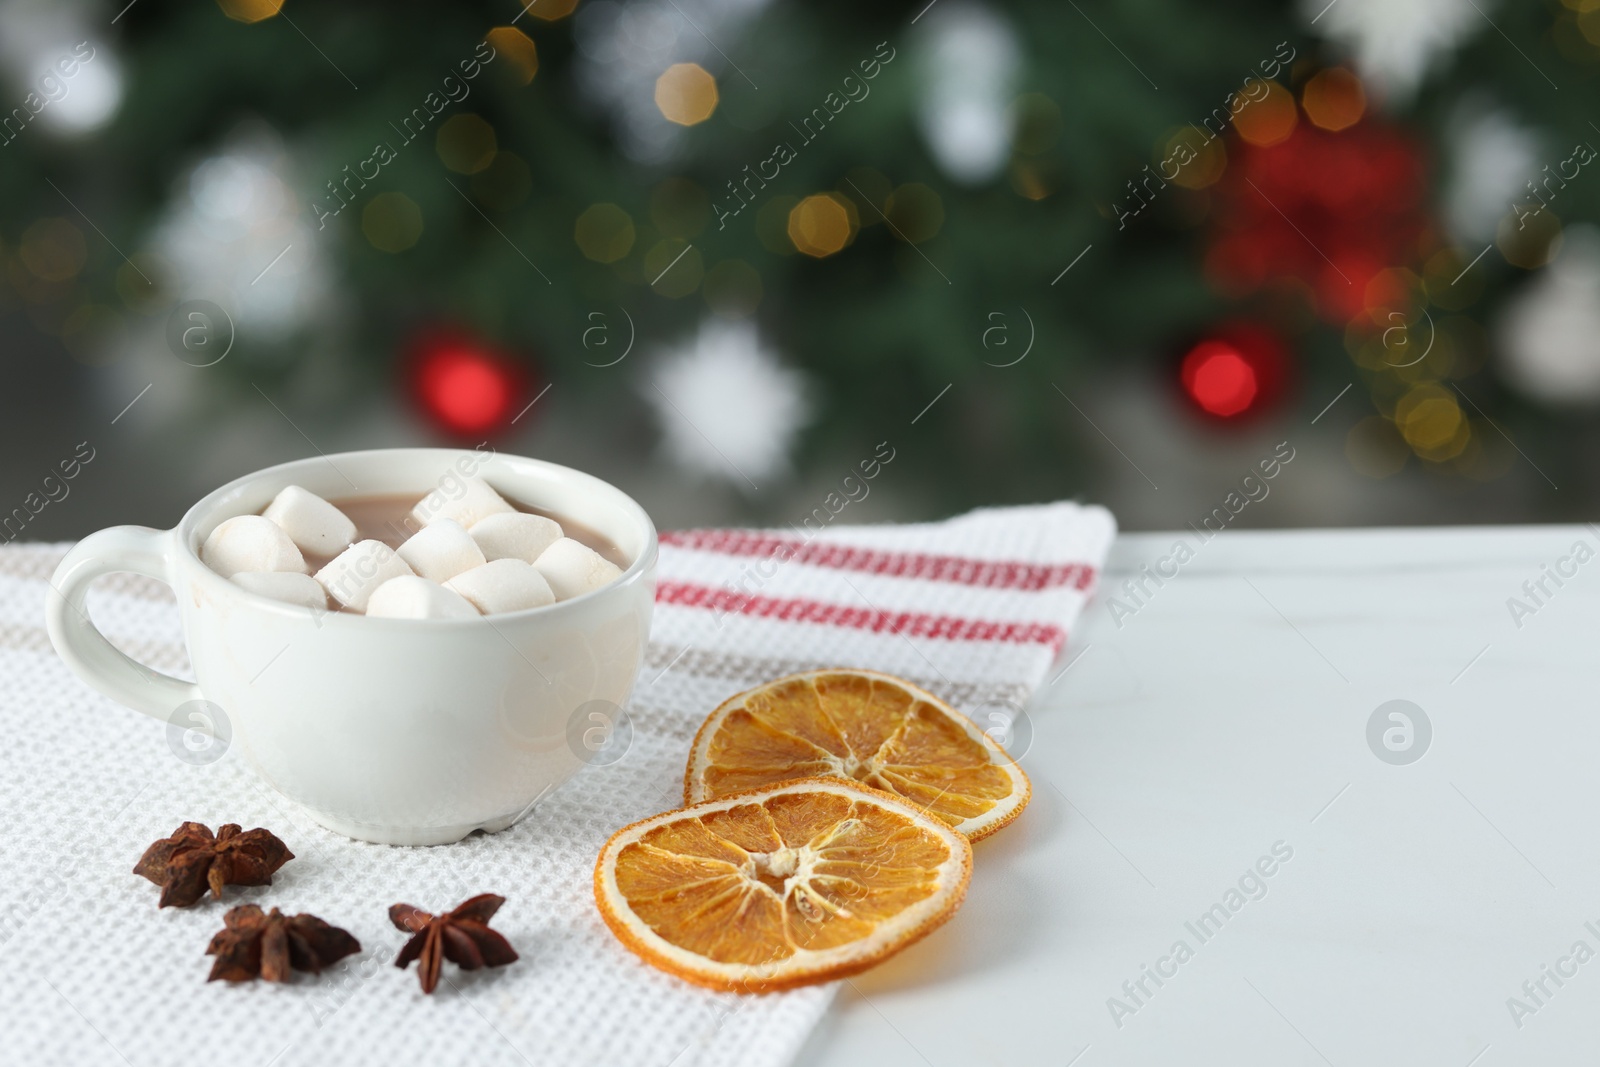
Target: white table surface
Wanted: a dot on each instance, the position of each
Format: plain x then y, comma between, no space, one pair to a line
1231,713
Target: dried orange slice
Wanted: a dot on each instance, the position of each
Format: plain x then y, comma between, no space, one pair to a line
774,888
874,728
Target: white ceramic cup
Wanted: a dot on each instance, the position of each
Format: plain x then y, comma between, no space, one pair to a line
400,731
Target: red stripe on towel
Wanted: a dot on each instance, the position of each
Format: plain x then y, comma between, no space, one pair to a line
996,574
908,623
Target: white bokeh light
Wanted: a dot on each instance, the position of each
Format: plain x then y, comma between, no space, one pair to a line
90,97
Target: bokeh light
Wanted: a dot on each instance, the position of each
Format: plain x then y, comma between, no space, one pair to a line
466,390
250,10
869,189
1035,123
915,212
1194,161
392,222
673,268
518,50
466,144
53,250
1030,181
1334,99
1219,379
1268,120
551,10
604,233
1431,422
686,94
822,224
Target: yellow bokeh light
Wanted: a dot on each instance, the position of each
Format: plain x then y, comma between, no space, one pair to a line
1334,99
520,53
250,10
53,250
466,144
1269,120
551,10
392,222
604,233
1029,181
1431,421
1191,161
686,94
822,224
1035,123
674,268
870,189
915,212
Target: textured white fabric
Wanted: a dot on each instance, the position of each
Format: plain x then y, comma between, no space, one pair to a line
92,973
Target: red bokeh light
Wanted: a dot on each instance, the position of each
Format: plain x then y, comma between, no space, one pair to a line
463,387
1320,212
1238,372
1219,379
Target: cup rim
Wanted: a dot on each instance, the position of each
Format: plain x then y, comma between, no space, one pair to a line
642,565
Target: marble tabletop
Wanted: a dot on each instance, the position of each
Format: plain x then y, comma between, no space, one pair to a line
1320,798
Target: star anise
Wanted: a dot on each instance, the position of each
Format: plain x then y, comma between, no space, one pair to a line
254,944
184,864
461,936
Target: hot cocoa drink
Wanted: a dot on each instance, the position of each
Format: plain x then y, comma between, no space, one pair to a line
388,519
455,554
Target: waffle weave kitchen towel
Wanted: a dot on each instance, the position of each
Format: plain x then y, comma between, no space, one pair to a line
974,609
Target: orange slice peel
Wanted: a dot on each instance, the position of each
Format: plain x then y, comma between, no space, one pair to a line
803,882
869,727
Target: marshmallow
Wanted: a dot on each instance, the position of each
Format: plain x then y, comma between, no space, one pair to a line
515,536
467,502
287,586
441,550
315,526
250,543
352,575
410,597
503,585
572,568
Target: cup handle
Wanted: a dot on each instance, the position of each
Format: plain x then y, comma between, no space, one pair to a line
134,549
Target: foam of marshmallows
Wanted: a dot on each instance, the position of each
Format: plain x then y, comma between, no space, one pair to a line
503,585
353,575
411,597
515,536
287,586
441,550
467,502
250,543
573,568
316,527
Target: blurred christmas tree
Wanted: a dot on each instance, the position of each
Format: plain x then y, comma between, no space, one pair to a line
792,231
